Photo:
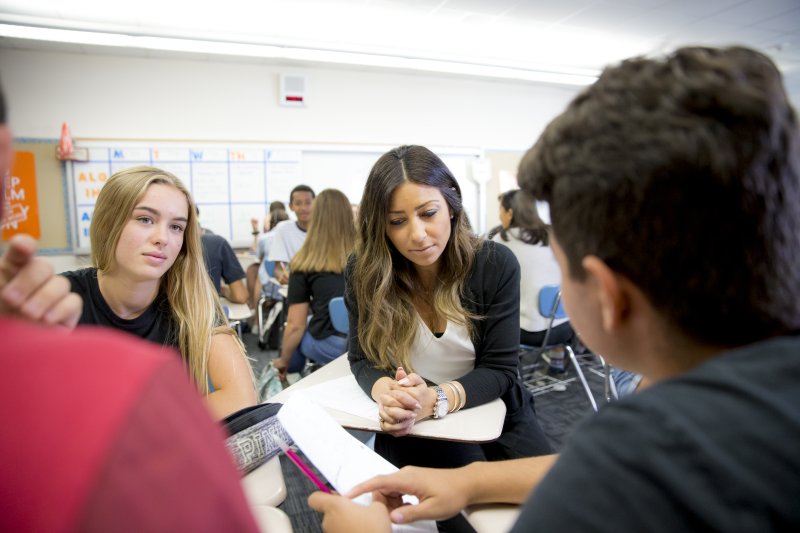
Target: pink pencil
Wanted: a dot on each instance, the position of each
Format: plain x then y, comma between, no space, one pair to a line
303,467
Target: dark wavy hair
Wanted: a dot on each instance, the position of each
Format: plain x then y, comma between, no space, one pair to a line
524,217
385,282
683,174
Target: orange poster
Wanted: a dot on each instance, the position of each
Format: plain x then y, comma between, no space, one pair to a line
21,209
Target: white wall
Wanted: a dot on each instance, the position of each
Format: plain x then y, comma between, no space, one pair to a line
104,96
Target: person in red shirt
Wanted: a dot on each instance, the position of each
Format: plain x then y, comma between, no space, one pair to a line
98,443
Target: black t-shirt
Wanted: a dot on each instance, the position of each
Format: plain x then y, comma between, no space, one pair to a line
220,260
318,288
717,449
156,324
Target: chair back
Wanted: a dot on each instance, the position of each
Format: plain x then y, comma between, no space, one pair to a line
338,312
550,302
269,266
550,307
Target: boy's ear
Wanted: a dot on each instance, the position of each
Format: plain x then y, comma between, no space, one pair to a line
609,290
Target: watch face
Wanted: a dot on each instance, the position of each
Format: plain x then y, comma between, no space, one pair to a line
441,409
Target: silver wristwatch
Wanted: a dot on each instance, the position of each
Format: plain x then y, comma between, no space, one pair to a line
442,406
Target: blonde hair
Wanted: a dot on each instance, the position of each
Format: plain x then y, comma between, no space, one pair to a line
194,302
331,235
384,282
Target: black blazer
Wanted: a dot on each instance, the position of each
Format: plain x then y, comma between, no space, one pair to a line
492,293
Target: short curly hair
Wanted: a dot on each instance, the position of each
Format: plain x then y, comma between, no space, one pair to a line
683,174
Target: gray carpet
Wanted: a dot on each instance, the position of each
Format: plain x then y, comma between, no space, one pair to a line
558,411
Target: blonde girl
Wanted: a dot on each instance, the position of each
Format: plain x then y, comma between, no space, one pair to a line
317,277
149,279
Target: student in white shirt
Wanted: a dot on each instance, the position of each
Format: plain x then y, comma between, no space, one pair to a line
538,267
290,235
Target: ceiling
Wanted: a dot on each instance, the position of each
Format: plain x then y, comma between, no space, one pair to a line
573,37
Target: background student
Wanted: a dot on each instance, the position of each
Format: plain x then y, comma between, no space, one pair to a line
706,305
149,279
536,260
222,264
262,283
129,411
273,206
290,235
425,294
316,278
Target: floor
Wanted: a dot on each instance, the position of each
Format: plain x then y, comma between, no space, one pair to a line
559,412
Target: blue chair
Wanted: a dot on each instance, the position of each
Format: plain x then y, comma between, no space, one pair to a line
338,312
340,322
551,308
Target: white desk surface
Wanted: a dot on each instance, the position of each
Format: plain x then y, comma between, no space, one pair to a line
271,519
246,259
265,484
236,311
477,424
492,517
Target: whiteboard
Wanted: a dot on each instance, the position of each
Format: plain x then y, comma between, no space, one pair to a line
234,182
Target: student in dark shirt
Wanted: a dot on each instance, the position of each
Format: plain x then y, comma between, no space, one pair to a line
316,278
223,265
674,186
149,279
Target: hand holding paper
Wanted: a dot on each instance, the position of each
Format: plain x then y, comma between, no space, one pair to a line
343,515
343,460
442,493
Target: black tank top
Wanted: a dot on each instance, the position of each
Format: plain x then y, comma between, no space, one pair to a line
155,324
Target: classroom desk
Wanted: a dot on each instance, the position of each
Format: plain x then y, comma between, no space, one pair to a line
236,313
246,259
271,519
265,485
477,424
492,517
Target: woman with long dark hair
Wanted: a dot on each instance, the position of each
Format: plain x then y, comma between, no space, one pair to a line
434,314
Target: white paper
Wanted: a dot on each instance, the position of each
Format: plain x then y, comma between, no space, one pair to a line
342,394
341,458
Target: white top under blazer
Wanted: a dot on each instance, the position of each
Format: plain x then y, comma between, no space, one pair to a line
445,358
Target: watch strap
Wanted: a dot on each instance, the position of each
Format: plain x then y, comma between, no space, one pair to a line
441,399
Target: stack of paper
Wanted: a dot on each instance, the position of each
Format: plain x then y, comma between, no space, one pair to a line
342,459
